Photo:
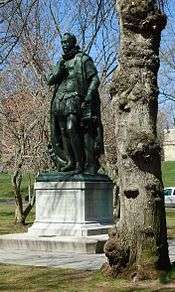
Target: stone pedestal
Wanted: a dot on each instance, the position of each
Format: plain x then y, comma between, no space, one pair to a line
73,214
81,207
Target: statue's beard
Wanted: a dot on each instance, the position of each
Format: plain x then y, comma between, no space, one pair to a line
66,50
69,54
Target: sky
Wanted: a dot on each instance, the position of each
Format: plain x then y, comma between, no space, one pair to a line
167,66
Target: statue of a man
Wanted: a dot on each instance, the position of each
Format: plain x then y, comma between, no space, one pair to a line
76,129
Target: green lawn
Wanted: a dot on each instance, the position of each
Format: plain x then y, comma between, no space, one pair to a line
170,217
7,225
168,173
6,191
17,278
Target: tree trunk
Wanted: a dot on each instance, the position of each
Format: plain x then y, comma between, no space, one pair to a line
21,213
139,243
16,181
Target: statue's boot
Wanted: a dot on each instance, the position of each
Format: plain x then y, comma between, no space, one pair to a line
75,142
90,169
78,153
90,165
70,166
79,168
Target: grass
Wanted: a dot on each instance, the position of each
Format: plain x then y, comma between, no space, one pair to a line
7,220
170,216
51,279
5,186
18,278
168,173
6,190
21,278
26,278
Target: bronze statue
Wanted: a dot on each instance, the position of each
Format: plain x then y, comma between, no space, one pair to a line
76,129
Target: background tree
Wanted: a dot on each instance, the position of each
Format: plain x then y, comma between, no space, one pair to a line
139,244
167,52
24,143
37,21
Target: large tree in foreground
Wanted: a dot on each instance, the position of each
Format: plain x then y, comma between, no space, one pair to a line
139,243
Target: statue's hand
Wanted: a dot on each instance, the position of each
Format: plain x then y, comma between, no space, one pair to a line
88,98
63,68
62,65
84,104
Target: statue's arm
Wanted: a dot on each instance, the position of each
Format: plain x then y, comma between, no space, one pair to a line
93,80
93,87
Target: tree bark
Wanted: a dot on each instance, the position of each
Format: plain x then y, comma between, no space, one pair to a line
139,243
21,213
16,181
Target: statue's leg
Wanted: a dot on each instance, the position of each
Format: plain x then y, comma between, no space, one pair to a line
55,147
67,148
74,135
89,145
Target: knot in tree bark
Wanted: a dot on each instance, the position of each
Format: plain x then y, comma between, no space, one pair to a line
142,16
117,253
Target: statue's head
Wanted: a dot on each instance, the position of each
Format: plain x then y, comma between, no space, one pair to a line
68,42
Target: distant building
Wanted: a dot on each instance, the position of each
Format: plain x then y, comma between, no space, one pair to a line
169,145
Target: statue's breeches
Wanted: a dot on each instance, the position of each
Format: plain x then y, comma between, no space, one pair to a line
64,107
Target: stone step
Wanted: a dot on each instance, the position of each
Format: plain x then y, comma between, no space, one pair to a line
25,241
66,260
